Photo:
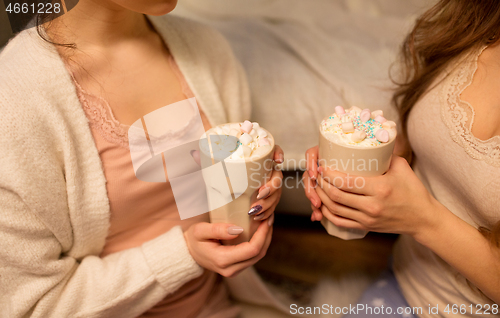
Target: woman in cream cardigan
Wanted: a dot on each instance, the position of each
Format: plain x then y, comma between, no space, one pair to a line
80,235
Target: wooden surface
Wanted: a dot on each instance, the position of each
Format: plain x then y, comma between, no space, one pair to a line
303,251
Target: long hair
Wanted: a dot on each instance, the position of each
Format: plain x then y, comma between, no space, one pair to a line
447,31
43,22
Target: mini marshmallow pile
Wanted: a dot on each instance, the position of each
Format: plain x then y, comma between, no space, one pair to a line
358,127
253,141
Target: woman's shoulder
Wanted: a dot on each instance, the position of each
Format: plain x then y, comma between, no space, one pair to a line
31,73
198,37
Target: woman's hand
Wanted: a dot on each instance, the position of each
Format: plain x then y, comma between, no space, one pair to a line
396,202
203,241
270,193
309,178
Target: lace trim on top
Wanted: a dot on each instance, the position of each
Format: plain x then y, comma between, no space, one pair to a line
458,115
101,118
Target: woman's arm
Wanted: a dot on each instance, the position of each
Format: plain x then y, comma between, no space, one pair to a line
464,248
398,202
39,278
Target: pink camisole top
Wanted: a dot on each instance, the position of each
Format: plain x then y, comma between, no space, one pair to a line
141,211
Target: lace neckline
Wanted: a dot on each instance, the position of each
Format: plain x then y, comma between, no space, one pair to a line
458,115
101,117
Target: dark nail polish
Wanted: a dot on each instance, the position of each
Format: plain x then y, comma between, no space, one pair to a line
254,210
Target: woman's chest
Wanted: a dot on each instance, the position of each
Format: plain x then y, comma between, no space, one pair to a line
483,94
460,170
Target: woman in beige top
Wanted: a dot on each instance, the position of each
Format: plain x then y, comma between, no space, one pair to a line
445,205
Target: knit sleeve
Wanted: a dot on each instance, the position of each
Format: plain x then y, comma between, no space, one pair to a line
53,218
38,280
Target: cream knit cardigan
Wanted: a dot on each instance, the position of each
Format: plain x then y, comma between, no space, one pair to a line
54,210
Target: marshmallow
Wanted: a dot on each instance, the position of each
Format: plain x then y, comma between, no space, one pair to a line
380,119
382,135
238,154
345,119
226,130
261,132
235,133
388,124
358,136
365,115
228,145
264,142
339,110
247,151
359,128
219,131
392,133
262,150
253,133
250,138
347,127
376,113
246,127
245,139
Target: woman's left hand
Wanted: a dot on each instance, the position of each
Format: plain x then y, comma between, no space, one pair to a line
270,193
396,202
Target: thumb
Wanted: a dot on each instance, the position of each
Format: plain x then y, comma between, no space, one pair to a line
217,231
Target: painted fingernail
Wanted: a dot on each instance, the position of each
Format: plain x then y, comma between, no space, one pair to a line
271,220
320,170
254,210
263,193
311,175
196,156
281,158
259,217
234,230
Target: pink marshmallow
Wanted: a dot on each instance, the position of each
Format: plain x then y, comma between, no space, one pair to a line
358,136
339,110
389,125
382,135
380,119
246,126
347,127
365,115
264,142
376,113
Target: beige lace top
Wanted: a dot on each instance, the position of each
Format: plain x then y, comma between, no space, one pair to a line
458,115
463,173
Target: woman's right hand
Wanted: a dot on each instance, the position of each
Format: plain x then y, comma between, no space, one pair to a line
309,178
203,241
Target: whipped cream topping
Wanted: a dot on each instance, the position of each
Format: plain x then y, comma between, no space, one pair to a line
357,127
250,140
